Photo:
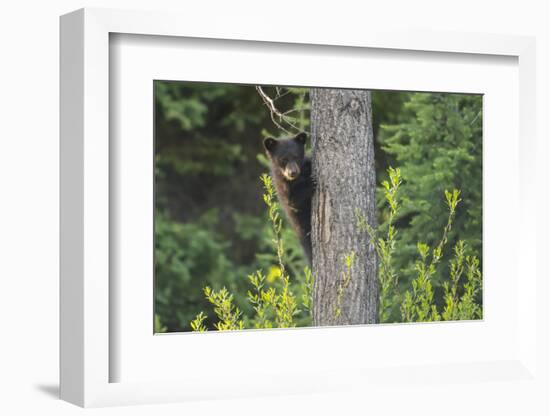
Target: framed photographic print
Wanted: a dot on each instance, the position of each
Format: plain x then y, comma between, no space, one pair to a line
273,214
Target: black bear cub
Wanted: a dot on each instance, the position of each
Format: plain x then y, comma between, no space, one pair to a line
291,172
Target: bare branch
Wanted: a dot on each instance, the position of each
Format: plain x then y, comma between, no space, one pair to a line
275,113
281,95
268,101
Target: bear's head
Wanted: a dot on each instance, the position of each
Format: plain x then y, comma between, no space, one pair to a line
286,155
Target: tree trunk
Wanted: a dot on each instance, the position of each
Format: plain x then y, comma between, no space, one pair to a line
343,169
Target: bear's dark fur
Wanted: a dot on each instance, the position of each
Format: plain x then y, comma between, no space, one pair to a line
291,173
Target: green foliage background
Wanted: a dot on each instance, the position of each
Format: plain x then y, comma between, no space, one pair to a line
211,226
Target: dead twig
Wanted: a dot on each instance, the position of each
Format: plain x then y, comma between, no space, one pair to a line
277,117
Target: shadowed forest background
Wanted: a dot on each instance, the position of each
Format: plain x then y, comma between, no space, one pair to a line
211,226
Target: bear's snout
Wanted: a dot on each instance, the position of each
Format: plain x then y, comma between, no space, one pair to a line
291,171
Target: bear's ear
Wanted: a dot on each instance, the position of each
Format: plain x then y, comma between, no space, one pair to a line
301,138
269,144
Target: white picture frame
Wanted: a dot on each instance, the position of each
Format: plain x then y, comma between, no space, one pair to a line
87,356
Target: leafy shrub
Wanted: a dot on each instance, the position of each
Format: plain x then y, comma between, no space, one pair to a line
276,305
418,303
275,302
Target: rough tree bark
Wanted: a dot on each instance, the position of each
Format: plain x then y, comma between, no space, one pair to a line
343,169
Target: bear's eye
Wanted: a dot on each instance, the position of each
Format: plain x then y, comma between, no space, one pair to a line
284,161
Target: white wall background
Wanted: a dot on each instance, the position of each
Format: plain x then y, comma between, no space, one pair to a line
29,116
